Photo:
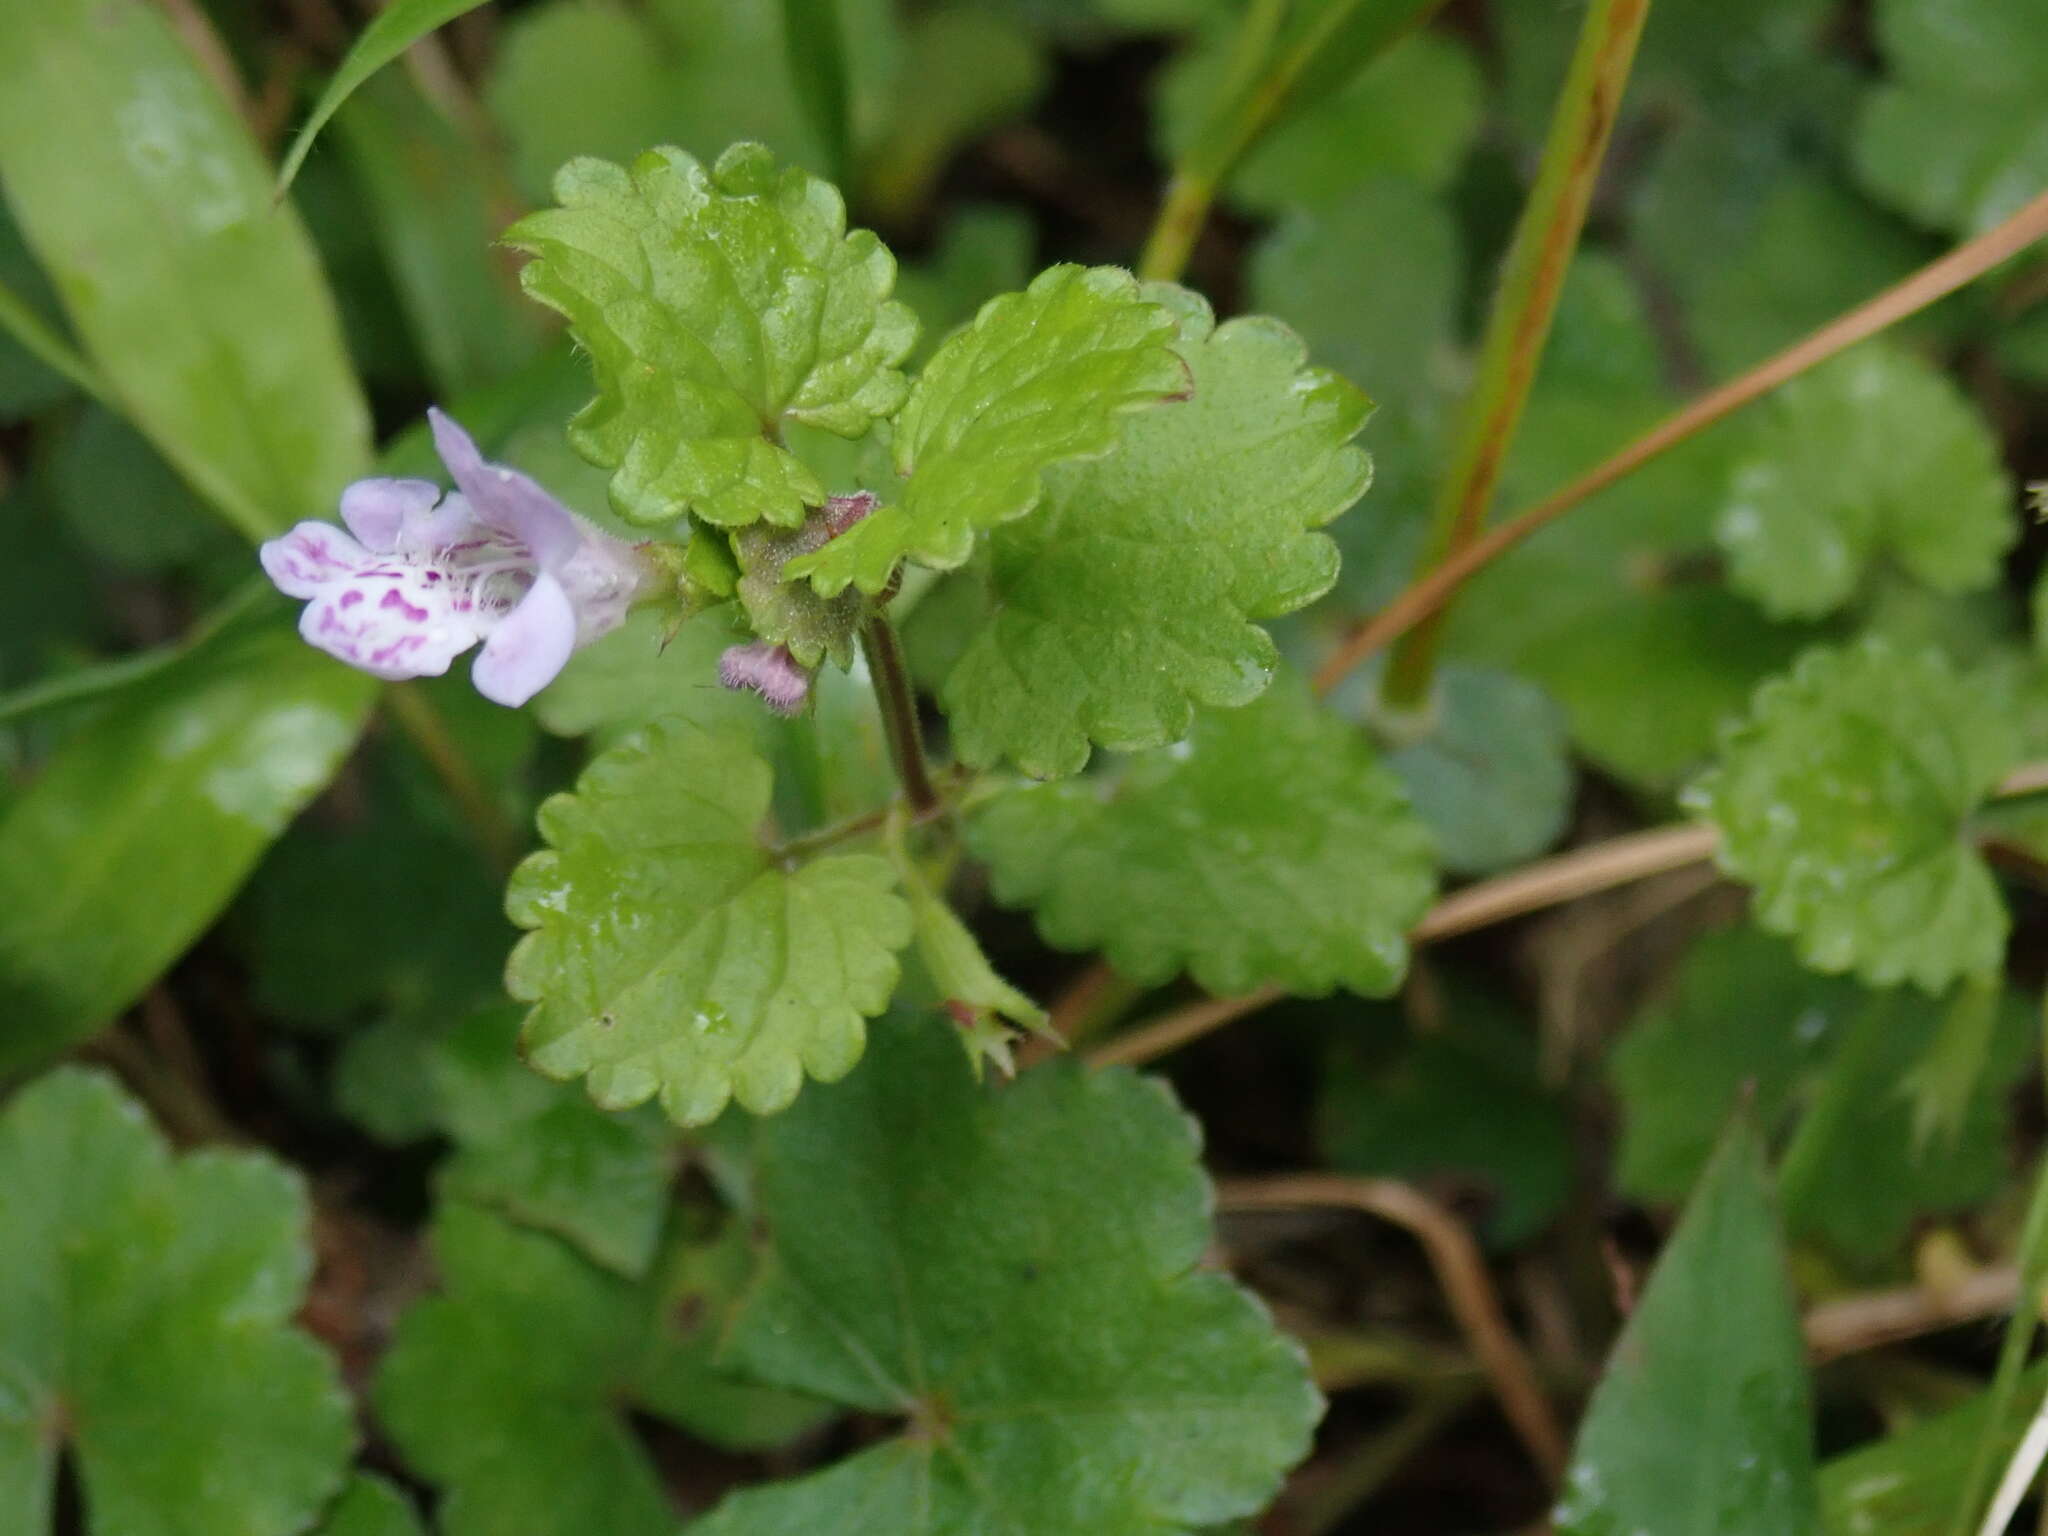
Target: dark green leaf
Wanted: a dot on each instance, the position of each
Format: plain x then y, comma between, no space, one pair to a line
1701,1425
369,1506
1063,1364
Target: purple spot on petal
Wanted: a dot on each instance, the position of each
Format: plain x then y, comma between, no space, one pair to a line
351,597
396,599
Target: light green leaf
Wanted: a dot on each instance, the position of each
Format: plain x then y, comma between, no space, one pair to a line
1129,597
1958,138
715,306
1702,1424
370,1506
390,32
1872,455
1842,799
1492,778
1907,1483
145,1327
533,1440
1063,1364
674,955
984,250
197,300
1619,591
107,873
1745,1019
1272,846
1041,377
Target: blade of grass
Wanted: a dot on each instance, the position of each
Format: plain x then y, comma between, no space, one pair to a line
1545,238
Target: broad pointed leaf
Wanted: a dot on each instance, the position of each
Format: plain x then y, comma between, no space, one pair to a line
716,305
197,299
1875,455
1130,596
674,955
145,1328
1063,1363
1041,377
1272,846
1842,799
1702,1424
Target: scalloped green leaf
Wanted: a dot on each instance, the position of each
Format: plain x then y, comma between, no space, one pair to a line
1062,1361
1702,1423
1875,455
1958,137
1843,798
674,955
1271,847
1041,377
145,1327
716,306
1131,596
511,1387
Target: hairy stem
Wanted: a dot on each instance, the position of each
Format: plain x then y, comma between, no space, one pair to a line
1937,280
1460,1270
891,678
1524,305
1249,101
495,834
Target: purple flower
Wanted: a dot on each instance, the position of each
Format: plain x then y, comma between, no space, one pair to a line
768,670
420,577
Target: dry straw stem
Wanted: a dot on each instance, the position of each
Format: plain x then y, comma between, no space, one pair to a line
1460,1270
1935,281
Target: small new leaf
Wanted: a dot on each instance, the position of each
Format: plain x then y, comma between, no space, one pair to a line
674,956
717,306
1064,1363
1842,800
1129,597
145,1327
1876,454
1272,846
1040,378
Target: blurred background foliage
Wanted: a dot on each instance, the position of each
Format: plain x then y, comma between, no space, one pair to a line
278,929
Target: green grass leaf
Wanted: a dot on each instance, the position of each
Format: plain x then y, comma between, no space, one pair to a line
199,302
1130,596
108,872
1041,377
716,305
674,956
390,32
145,1327
1958,136
1875,455
1062,1362
1701,1425
1272,846
1745,1018
533,1440
1842,799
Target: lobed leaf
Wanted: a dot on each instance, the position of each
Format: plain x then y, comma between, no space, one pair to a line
511,1387
1875,454
1040,378
717,306
1701,1425
674,955
1130,596
1063,1363
1842,799
1270,847
145,1327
